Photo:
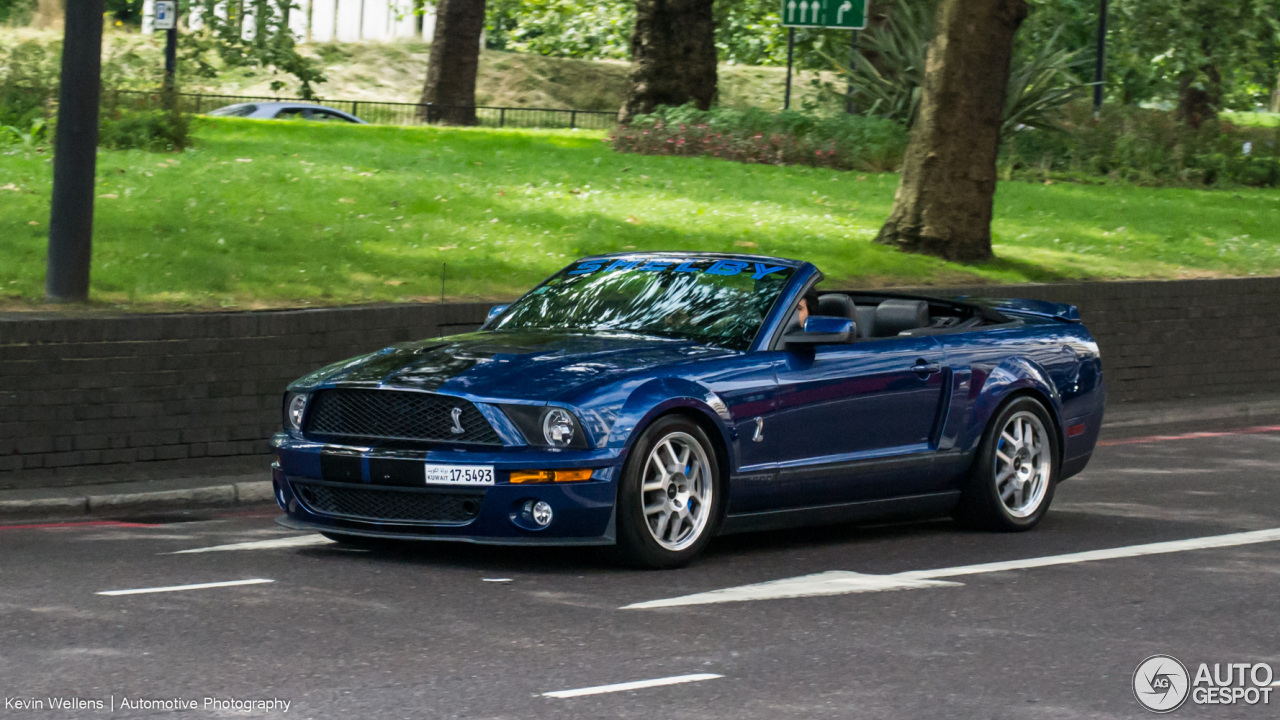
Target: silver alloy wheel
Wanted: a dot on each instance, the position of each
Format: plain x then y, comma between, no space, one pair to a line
1022,464
677,491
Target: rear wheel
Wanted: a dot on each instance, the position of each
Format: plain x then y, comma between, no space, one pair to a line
669,497
1014,474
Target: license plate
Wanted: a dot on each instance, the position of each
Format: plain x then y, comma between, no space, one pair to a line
459,474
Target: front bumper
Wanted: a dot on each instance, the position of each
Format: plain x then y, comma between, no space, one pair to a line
308,475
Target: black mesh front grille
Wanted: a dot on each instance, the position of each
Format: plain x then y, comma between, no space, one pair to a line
384,505
372,415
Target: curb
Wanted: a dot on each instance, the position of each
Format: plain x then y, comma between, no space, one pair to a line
244,493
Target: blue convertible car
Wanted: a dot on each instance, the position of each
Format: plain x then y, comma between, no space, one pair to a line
653,401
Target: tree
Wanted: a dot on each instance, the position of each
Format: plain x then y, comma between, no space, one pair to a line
1201,51
455,57
673,56
217,28
944,201
75,155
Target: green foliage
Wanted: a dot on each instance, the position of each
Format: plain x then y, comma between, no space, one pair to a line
1148,147
17,12
125,12
561,28
888,70
28,82
887,74
1041,84
270,43
1227,48
125,128
748,32
840,141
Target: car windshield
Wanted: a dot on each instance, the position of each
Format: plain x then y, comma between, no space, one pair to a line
711,300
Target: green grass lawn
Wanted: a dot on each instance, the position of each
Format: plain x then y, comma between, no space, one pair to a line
268,214
1258,119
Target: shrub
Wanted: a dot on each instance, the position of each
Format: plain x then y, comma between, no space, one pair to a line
843,142
1147,147
28,82
123,128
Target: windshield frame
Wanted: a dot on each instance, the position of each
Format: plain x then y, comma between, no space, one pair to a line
800,272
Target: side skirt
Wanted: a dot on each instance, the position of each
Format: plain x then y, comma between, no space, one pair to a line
933,504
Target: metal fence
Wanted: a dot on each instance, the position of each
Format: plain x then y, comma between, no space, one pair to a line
397,113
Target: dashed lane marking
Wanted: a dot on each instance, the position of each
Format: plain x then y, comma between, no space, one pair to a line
293,541
635,685
839,582
179,588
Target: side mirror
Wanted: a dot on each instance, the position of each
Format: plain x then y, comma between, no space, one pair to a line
494,312
823,330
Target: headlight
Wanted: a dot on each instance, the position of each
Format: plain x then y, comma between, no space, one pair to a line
546,426
295,406
558,427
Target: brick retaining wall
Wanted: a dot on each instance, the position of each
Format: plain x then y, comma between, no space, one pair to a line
78,392
93,391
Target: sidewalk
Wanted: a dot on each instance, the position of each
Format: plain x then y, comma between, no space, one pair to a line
122,491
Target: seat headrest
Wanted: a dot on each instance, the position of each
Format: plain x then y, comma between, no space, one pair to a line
837,306
894,316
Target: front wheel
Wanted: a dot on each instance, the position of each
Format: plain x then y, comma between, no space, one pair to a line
670,494
1014,474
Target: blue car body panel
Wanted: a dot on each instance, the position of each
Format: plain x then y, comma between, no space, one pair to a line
839,432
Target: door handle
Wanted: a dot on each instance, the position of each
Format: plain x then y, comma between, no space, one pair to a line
926,368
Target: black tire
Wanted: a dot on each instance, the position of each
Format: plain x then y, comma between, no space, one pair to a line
636,541
981,506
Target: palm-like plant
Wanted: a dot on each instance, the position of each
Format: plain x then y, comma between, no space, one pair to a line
887,73
1040,85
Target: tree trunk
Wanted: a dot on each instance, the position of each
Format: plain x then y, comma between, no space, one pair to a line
1275,97
673,56
944,201
1198,103
455,57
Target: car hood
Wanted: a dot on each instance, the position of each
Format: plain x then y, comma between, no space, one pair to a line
510,365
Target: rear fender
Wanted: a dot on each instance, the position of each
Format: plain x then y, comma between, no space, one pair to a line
1015,375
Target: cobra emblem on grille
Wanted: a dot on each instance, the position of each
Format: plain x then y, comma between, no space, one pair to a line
457,422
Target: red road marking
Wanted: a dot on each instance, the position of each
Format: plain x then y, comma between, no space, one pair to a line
1190,436
89,523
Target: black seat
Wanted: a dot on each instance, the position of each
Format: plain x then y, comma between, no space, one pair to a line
837,306
895,316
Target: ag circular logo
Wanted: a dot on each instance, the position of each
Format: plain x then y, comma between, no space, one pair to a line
1161,683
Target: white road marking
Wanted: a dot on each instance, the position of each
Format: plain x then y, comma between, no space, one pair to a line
638,684
495,579
292,541
840,582
177,588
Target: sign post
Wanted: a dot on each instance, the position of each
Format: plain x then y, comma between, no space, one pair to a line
166,18
829,14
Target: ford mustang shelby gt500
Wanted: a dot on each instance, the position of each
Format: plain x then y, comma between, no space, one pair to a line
654,400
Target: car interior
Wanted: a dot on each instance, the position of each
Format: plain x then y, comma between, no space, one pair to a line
877,316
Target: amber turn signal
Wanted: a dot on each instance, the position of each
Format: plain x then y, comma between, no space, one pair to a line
542,476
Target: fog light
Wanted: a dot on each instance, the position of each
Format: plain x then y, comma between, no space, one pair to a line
541,513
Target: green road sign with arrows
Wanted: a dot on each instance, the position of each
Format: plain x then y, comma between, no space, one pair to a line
838,14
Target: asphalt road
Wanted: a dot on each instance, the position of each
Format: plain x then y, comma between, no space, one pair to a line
430,632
